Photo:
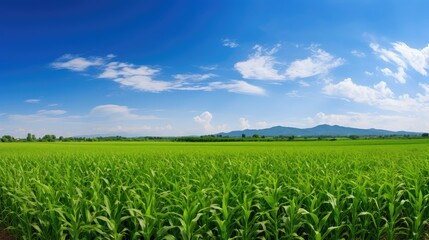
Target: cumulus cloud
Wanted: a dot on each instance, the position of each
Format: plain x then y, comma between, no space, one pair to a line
205,120
378,95
75,63
136,77
244,123
319,63
32,100
403,57
118,112
229,43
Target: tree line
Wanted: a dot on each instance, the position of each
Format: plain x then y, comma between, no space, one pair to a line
205,138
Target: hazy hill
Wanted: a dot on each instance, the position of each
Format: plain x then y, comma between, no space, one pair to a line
321,130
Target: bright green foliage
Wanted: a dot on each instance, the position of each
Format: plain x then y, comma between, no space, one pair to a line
355,189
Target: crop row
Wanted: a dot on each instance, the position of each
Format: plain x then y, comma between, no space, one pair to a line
280,195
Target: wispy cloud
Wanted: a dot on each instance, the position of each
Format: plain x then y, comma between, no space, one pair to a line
32,100
75,63
319,63
237,86
262,65
358,54
194,77
403,57
51,112
118,112
143,78
209,68
230,43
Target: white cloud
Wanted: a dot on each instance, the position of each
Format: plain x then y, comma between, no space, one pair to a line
260,65
417,59
319,63
194,77
424,97
237,86
119,69
145,130
369,73
415,123
244,123
293,93
117,112
262,124
142,78
40,117
75,63
51,112
379,96
400,75
209,68
229,43
32,100
135,77
358,54
388,55
205,120
403,57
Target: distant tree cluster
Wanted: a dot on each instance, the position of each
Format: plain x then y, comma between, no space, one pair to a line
205,138
8,138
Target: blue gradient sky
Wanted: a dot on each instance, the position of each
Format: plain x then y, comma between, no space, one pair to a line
196,67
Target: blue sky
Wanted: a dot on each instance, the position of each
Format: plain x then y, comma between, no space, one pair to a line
172,68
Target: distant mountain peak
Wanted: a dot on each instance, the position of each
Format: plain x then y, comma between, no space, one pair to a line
319,130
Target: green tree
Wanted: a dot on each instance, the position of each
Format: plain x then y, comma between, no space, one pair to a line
425,135
243,135
30,137
48,138
7,138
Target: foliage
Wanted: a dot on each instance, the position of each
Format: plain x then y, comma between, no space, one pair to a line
371,189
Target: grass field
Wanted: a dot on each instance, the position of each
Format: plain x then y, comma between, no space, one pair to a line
362,189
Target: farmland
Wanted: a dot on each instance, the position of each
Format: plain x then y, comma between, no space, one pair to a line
351,189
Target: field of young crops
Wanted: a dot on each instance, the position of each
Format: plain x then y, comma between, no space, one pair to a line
363,189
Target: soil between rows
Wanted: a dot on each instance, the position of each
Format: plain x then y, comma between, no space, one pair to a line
4,235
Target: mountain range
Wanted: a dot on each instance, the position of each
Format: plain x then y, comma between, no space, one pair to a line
320,130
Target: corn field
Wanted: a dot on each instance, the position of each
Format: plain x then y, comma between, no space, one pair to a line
362,189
